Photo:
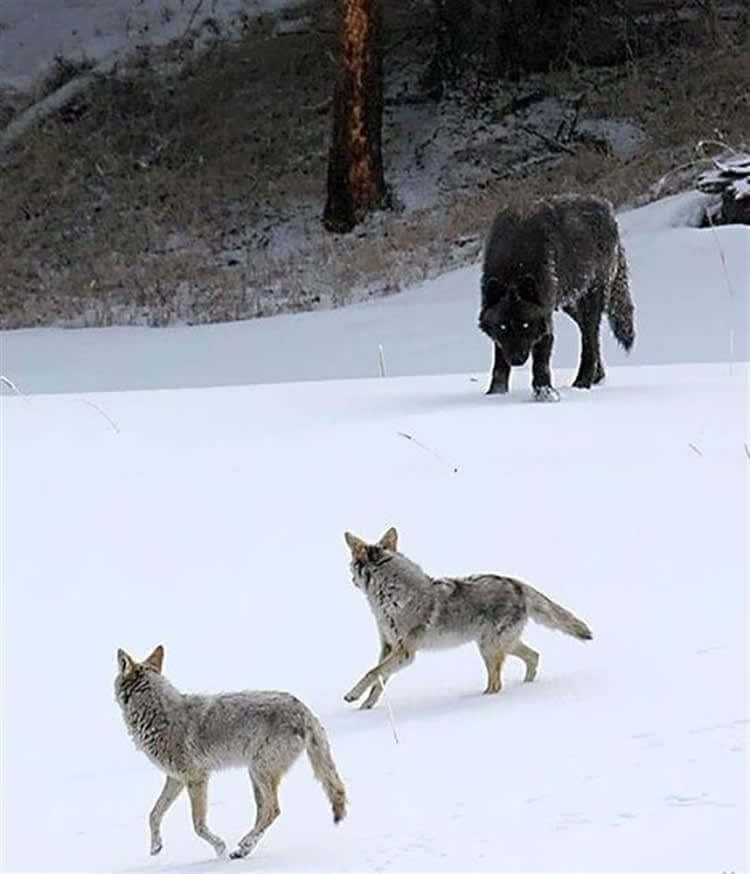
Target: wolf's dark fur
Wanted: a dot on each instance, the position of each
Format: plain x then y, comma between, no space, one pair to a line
564,254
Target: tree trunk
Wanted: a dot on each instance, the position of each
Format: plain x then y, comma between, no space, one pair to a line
356,184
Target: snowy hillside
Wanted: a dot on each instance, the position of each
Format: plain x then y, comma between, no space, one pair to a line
34,32
211,520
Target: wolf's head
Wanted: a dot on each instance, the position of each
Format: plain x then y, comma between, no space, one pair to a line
131,674
367,556
513,316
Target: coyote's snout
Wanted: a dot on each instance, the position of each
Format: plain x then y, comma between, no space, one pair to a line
414,611
189,736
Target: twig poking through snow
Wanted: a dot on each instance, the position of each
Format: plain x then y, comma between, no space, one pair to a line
440,458
101,412
695,449
381,359
12,386
388,708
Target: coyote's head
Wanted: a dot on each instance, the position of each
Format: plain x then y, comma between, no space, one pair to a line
513,316
366,556
131,673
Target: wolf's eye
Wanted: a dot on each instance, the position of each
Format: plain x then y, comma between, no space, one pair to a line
525,325
503,327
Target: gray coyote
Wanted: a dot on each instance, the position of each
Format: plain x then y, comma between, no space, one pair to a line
415,611
189,736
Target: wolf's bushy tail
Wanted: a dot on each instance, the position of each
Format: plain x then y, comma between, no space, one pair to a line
620,309
319,753
546,612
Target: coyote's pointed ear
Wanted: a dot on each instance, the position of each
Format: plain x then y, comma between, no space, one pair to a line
389,540
156,659
357,546
124,662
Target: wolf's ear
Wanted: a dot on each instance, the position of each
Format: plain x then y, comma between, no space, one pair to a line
357,546
124,662
156,659
389,540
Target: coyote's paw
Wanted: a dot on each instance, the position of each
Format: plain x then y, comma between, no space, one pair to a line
239,853
355,693
546,393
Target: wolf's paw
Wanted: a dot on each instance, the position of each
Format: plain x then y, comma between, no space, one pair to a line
221,849
352,696
584,380
546,393
155,848
496,389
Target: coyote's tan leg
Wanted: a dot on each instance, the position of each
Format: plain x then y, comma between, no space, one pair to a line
169,793
400,656
530,658
198,791
493,655
376,690
266,791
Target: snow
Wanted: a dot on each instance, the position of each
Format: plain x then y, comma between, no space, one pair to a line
730,175
211,520
34,32
691,287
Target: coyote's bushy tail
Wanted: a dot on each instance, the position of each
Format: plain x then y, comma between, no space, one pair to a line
546,612
319,753
620,309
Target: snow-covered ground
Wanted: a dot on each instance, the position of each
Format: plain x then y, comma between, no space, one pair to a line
211,520
34,32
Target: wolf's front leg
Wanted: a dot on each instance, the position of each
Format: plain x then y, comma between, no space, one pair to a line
198,792
169,793
401,656
500,376
541,380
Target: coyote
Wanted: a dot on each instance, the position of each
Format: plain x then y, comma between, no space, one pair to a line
565,253
414,611
189,736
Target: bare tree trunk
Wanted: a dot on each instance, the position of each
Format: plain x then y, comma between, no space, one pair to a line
356,184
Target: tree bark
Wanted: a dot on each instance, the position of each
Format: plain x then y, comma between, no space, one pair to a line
356,185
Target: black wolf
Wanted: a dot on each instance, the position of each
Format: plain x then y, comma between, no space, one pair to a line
564,254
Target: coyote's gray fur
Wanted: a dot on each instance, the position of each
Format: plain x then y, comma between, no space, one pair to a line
414,611
189,736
